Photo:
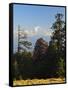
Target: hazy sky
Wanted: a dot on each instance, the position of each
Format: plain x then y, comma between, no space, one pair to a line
36,21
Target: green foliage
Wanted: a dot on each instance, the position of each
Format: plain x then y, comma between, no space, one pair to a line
57,46
61,69
21,64
26,44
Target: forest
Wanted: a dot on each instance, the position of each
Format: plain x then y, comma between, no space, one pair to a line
46,60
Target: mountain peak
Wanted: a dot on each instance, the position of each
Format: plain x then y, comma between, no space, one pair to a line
40,48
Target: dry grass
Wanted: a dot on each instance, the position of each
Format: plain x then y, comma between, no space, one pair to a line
38,81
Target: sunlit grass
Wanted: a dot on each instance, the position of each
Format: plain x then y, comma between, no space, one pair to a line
38,81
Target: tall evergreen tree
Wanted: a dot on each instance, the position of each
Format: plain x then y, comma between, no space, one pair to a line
23,54
57,44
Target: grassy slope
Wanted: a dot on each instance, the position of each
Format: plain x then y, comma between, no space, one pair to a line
38,81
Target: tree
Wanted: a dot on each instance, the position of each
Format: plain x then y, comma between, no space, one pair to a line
57,34
23,55
63,41
57,44
23,44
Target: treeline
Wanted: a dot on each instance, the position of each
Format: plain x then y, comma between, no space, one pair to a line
45,61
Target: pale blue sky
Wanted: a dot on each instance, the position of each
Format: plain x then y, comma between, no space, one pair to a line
37,18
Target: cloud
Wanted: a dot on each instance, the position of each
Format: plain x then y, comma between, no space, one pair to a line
42,31
26,32
32,32
48,33
37,30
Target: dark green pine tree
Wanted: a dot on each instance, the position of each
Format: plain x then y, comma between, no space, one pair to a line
57,44
63,41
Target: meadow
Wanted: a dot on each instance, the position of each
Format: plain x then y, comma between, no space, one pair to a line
38,81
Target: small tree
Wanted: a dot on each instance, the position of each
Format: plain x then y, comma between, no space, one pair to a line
23,44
